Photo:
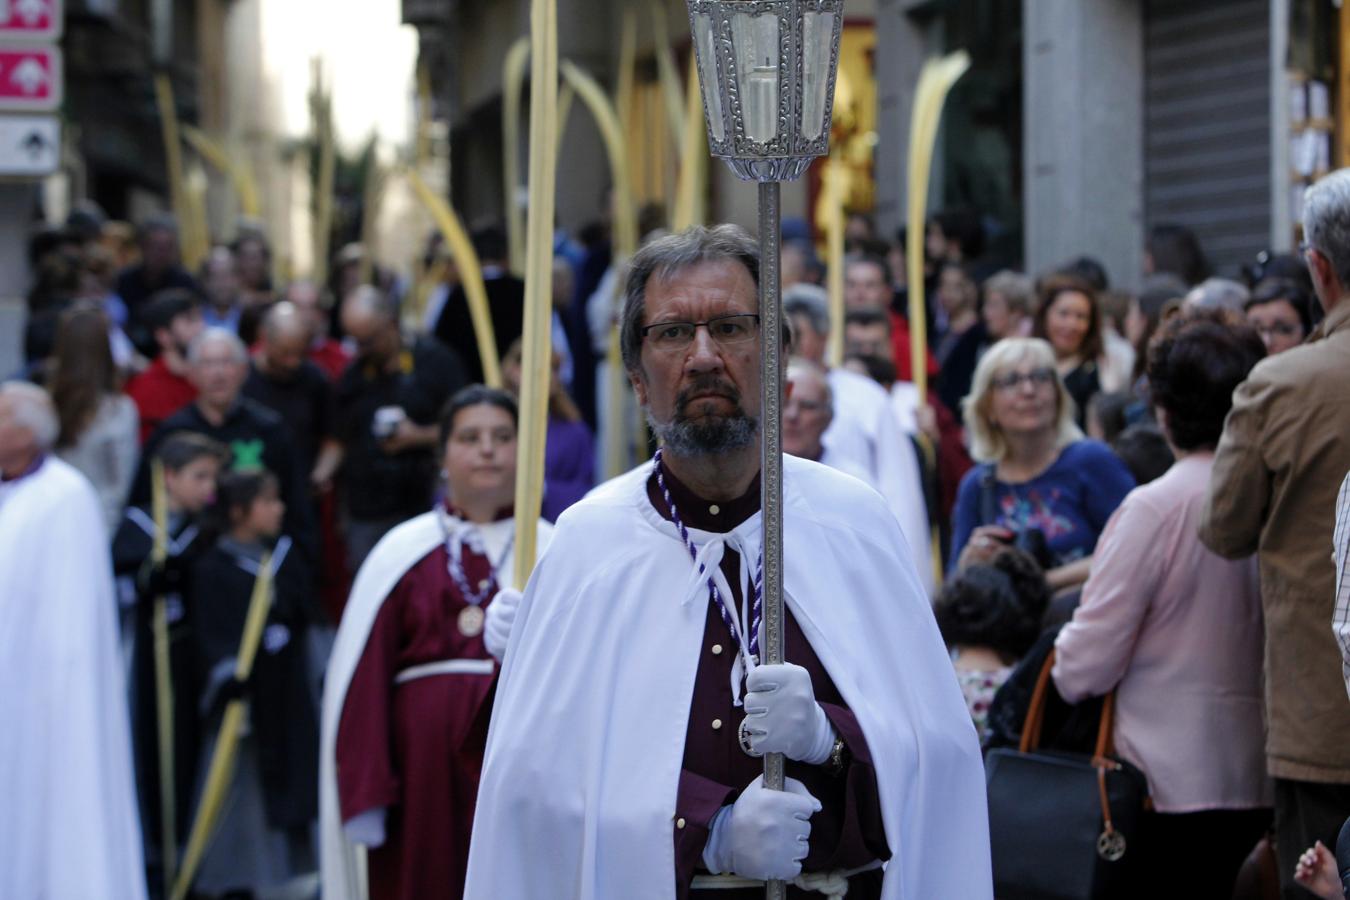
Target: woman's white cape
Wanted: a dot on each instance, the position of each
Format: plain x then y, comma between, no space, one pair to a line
587,737
343,863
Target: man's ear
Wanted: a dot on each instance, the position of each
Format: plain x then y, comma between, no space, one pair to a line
639,386
1323,276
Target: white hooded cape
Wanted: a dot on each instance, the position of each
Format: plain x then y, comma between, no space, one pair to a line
866,435
68,821
586,744
342,863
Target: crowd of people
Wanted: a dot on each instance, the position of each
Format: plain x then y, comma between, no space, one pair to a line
1134,489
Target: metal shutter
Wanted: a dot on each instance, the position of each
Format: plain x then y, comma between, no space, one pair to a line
1207,123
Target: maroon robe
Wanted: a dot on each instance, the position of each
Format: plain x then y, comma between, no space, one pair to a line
417,747
848,832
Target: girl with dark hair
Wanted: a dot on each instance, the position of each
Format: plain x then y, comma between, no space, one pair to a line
408,689
1070,319
990,615
99,423
1176,631
264,842
1281,312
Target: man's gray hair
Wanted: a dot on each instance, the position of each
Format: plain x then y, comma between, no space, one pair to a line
1219,293
1017,289
1326,221
283,319
33,410
217,335
367,299
674,253
811,302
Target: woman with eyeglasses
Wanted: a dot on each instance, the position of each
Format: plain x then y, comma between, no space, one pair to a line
1040,484
1281,312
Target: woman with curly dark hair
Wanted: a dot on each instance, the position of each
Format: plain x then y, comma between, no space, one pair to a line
1176,631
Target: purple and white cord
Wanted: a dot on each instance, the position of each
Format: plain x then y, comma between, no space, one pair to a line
756,606
454,549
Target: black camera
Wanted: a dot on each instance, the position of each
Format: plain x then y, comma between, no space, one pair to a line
1032,542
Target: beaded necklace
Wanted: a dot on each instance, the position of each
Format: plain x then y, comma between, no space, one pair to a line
453,550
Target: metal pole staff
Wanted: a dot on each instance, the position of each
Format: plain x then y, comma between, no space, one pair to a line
771,457
767,69
771,462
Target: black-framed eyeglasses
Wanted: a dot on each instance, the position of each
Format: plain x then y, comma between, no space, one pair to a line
1279,329
733,329
1011,381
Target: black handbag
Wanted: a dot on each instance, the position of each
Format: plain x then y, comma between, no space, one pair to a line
1061,823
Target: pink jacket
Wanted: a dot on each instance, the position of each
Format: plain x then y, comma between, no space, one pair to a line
1177,631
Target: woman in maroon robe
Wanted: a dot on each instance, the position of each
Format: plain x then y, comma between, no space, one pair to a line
413,716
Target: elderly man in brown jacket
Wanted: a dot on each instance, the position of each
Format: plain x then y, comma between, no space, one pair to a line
1284,451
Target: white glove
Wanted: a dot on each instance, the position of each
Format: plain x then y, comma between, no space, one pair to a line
782,715
498,619
366,828
764,834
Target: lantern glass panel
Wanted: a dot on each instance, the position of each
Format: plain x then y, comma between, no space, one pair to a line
708,78
755,38
817,42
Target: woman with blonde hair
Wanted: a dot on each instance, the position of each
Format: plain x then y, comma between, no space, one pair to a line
1040,484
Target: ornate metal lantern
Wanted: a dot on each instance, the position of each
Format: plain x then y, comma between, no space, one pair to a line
767,68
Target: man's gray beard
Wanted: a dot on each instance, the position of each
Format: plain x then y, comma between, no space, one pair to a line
685,437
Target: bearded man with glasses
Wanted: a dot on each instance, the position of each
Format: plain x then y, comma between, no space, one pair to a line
632,714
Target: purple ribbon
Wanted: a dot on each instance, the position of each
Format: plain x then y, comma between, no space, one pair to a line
756,606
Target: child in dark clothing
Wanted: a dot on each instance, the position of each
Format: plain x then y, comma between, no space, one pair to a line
265,839
191,463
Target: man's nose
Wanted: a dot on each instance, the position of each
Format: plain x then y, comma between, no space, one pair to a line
705,354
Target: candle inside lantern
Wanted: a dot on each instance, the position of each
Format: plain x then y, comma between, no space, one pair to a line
761,102
756,40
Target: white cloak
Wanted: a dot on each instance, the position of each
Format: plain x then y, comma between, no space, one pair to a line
69,827
586,744
866,435
343,863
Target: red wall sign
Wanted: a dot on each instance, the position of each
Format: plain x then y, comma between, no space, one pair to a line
30,77
37,20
